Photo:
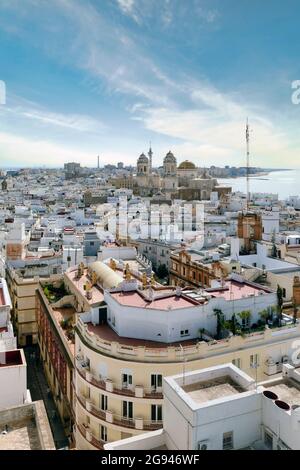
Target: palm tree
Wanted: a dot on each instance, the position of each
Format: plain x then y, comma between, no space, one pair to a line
245,316
264,315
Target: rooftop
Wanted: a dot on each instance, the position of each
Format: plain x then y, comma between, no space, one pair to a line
135,299
233,290
220,387
12,358
287,390
106,333
25,427
80,283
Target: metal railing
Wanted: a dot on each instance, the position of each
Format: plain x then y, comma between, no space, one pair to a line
118,389
119,420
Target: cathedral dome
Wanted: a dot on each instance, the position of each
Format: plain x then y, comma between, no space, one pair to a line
143,159
169,158
187,165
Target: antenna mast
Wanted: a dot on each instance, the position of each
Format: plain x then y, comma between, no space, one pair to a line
248,156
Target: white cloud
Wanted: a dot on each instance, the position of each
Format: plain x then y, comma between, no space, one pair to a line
76,122
19,150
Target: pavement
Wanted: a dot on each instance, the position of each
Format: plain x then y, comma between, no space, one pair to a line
39,390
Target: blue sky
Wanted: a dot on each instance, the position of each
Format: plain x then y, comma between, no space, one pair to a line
89,77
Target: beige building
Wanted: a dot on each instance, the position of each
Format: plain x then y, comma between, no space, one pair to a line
55,320
22,292
118,380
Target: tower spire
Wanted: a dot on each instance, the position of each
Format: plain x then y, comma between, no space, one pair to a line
150,153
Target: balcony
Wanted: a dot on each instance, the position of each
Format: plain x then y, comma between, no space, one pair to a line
137,391
87,434
110,417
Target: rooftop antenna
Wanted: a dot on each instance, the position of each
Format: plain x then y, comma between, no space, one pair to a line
248,157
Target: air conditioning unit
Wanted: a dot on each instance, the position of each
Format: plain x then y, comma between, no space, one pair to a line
203,445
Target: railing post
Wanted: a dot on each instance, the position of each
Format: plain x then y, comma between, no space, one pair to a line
139,391
139,423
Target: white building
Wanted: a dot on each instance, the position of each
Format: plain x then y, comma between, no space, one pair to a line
7,338
221,408
13,379
174,315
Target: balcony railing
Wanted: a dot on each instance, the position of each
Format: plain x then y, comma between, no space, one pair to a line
87,434
113,418
137,391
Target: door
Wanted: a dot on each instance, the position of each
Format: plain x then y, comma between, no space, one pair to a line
127,409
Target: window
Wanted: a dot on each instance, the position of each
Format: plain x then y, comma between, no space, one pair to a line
156,412
126,380
254,360
127,407
284,292
92,243
103,433
183,271
228,440
184,333
194,275
237,363
156,381
103,402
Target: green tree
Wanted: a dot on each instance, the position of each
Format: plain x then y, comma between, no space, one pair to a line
245,316
220,322
264,315
279,303
274,249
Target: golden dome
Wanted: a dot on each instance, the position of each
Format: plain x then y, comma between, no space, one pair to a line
187,165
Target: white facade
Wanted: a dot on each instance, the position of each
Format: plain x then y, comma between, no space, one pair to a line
171,323
220,408
13,379
7,338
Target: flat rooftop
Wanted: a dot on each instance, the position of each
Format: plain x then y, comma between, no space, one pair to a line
25,427
134,299
11,358
220,387
287,390
106,333
65,314
233,290
79,283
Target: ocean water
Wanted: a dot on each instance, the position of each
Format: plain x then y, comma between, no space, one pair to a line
284,183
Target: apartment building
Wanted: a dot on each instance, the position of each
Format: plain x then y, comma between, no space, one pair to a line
200,269
126,342
55,319
221,408
22,286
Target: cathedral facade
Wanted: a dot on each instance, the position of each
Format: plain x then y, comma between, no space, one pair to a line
170,181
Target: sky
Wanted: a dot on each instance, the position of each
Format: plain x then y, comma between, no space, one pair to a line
106,77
